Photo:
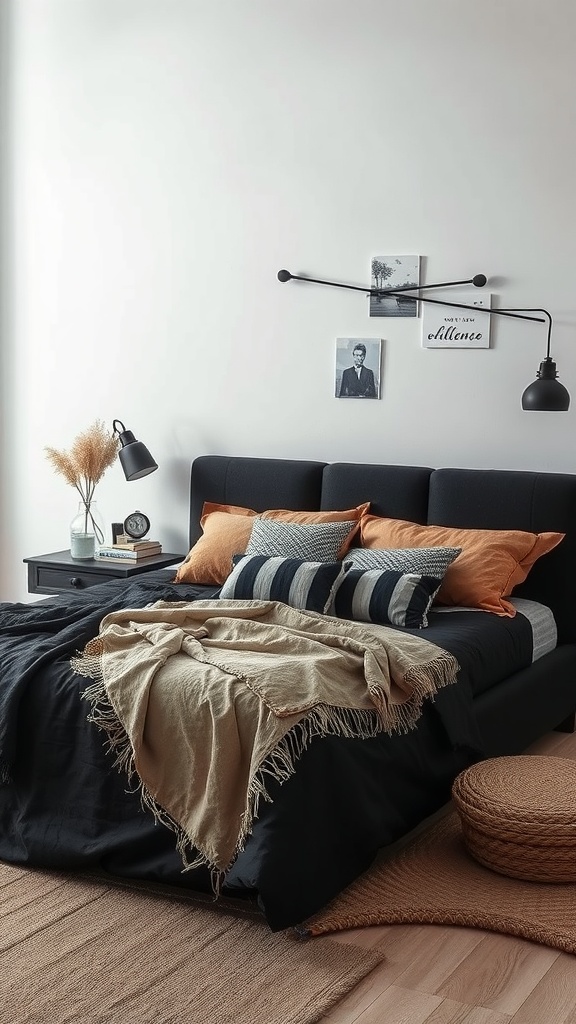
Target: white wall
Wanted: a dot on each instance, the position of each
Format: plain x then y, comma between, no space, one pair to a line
168,157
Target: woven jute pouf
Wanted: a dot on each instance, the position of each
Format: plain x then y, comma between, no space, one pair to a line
518,816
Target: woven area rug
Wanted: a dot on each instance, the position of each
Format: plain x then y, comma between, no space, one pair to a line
433,880
78,951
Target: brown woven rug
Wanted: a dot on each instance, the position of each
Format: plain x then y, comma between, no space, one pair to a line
79,951
433,880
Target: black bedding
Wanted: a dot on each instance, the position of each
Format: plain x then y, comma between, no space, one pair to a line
488,647
62,804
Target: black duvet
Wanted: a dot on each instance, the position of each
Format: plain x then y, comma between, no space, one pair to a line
64,805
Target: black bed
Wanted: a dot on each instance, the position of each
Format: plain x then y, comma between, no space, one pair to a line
63,804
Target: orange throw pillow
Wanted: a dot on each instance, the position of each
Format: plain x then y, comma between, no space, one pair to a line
226,531
490,565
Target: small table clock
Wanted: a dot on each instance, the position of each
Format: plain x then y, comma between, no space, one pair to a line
136,525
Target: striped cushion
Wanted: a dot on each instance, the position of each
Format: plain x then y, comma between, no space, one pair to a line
388,597
312,542
428,561
295,582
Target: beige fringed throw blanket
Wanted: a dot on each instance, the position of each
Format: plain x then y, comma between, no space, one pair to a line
203,700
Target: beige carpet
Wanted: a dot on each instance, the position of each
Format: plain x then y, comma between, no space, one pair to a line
433,880
78,951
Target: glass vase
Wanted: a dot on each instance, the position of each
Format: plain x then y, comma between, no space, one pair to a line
86,532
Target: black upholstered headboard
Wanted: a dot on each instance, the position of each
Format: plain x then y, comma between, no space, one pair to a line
513,500
480,499
253,483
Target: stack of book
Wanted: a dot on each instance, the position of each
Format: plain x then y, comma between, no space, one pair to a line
130,551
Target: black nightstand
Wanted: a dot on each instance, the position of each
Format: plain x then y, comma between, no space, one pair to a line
59,572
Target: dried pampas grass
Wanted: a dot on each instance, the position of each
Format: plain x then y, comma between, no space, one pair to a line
91,454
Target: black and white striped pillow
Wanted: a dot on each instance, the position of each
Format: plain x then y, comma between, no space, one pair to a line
387,597
301,584
313,542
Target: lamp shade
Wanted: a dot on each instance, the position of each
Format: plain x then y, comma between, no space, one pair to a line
546,394
135,459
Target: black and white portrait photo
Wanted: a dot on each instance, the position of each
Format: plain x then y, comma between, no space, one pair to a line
394,272
358,367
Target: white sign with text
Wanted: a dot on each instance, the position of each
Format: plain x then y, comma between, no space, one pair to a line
450,327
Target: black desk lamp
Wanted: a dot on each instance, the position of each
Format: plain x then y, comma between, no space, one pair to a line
545,394
135,459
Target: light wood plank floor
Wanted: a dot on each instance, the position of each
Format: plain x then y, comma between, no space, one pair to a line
439,975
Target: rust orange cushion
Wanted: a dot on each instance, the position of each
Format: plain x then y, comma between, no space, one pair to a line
490,565
226,531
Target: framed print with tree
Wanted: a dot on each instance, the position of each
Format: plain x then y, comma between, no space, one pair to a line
394,272
358,367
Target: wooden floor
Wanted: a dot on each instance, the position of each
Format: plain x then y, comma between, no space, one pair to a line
442,975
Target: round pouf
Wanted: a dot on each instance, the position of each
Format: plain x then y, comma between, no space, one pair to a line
518,816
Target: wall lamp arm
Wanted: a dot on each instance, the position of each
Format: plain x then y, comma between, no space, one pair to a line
479,281
546,394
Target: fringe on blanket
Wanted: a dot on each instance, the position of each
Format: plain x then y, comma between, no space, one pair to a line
280,763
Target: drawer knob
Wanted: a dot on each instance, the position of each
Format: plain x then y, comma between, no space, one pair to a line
75,581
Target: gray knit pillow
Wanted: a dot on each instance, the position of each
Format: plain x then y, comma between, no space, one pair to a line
426,561
311,542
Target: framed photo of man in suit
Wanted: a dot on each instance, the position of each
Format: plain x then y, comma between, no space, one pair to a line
358,367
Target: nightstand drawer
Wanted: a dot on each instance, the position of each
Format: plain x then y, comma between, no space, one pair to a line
57,572
59,579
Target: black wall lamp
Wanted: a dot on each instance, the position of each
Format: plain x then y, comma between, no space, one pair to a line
135,459
545,394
